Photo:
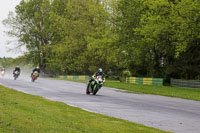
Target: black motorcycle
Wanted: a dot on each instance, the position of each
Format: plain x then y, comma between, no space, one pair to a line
16,75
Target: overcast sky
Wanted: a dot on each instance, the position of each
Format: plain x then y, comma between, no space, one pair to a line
5,7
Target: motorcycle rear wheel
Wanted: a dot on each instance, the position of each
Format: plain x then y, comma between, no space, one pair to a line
87,89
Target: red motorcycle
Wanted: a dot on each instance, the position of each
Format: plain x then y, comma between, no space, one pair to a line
34,76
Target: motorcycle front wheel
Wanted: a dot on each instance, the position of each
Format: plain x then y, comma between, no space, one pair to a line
33,79
96,90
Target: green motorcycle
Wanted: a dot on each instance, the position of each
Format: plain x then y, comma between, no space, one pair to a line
94,86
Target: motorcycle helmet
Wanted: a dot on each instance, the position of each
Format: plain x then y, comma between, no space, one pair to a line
100,70
38,67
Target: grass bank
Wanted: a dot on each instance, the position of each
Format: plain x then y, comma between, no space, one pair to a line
23,113
186,93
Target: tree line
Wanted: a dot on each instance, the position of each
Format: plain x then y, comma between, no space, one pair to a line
144,38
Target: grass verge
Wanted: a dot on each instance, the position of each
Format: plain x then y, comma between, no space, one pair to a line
186,93
23,113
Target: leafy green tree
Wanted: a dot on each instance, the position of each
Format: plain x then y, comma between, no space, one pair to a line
126,19
156,35
171,29
150,38
30,25
186,20
82,36
160,33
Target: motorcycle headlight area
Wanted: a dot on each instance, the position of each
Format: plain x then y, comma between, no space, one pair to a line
100,80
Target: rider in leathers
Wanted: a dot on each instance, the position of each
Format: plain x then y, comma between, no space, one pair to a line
36,69
17,68
98,73
3,69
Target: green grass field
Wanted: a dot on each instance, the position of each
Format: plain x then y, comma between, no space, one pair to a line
23,113
186,93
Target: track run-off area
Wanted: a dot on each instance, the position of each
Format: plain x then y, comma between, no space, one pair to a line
166,113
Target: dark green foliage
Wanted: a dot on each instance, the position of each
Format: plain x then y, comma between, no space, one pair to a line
161,37
150,38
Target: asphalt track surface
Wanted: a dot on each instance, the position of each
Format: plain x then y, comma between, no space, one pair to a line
170,114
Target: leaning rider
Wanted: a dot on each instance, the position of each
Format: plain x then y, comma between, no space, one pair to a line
3,69
17,68
37,69
98,73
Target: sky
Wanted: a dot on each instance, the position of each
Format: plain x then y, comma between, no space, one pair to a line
5,7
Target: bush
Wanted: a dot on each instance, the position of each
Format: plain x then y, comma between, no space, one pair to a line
126,73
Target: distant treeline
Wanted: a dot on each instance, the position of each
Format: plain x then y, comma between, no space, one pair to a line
11,63
145,38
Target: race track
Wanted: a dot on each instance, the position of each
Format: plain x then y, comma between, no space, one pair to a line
170,114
